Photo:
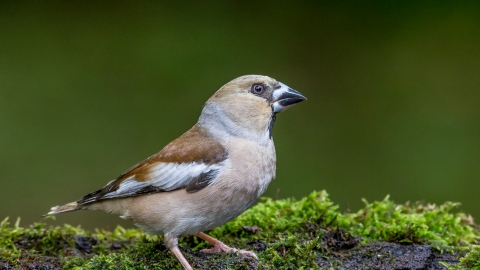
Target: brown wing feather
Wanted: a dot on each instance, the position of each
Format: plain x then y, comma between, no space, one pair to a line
195,145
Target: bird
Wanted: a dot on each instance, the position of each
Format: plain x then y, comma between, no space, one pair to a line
207,176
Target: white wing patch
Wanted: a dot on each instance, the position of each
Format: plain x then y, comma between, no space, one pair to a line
127,188
170,176
164,176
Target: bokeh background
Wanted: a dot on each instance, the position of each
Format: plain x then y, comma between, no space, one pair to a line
88,89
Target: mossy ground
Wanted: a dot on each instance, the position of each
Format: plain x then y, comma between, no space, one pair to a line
286,234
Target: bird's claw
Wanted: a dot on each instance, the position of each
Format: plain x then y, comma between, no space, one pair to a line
247,253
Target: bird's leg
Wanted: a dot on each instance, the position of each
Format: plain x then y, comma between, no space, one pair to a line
171,241
181,258
218,246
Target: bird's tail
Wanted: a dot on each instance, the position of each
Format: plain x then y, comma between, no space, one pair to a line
73,206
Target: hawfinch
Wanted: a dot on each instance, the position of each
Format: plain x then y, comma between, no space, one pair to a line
206,177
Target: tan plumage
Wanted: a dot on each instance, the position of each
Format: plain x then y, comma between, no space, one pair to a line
209,175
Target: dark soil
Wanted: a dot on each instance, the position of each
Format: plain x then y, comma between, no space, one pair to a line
34,263
381,255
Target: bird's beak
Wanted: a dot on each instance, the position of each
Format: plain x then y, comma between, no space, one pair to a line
284,97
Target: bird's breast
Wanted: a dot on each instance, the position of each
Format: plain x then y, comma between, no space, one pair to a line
252,166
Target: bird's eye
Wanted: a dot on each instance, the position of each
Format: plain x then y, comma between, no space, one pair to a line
258,88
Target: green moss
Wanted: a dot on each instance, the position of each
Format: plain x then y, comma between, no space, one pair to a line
470,261
413,223
295,234
281,215
36,239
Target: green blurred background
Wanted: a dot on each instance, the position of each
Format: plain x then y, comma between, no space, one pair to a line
89,89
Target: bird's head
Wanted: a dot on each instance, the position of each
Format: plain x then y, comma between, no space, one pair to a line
248,104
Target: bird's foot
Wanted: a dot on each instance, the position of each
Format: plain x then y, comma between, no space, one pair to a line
219,246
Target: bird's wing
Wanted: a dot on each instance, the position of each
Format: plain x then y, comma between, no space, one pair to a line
192,162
